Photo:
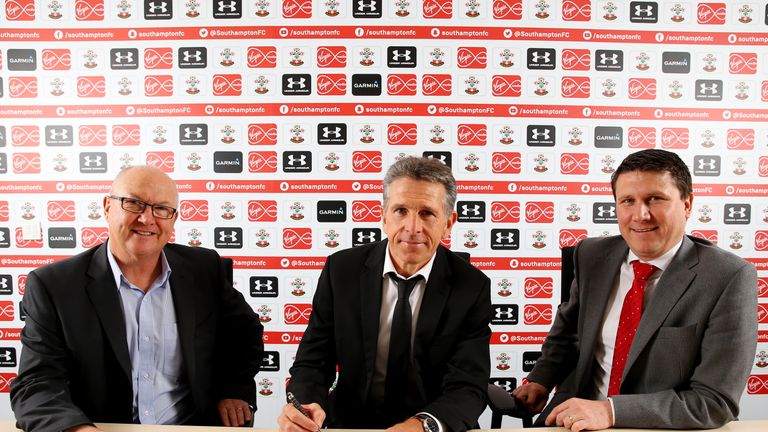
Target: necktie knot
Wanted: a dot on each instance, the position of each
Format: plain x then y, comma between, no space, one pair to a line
404,286
643,270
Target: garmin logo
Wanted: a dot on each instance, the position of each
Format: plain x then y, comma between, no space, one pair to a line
608,136
22,59
366,84
331,211
227,162
676,62
529,360
61,238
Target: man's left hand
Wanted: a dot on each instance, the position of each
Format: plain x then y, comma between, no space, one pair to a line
234,412
410,425
581,414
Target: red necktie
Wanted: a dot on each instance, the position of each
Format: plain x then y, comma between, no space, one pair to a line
631,312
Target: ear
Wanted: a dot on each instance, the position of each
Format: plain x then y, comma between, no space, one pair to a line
449,224
106,203
688,203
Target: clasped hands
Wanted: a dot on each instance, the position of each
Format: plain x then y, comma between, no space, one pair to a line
574,414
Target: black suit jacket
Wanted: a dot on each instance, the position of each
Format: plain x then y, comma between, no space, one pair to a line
450,347
75,366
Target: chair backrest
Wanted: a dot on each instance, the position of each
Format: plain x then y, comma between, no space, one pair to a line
566,272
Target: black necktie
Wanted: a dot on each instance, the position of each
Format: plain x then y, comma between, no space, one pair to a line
399,360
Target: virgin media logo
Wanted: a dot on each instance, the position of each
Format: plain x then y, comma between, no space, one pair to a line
334,84
401,85
193,210
20,10
505,211
158,58
402,134
576,59
91,86
297,9
26,163
262,57
92,135
158,85
762,166
25,136
507,9
4,211
26,243
575,87
331,56
471,57
506,163
61,211
642,88
165,161
641,137
574,163
709,235
571,237
506,85
740,139
22,87
91,237
762,313
262,161
761,240
538,287
537,314
262,134
436,85
297,238
366,161
742,63
710,13
577,10
366,211
227,85
126,135
762,287
540,212
56,59
757,384
262,211
89,10
437,9
675,138
472,134
297,313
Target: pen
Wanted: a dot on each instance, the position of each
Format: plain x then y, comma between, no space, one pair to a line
292,399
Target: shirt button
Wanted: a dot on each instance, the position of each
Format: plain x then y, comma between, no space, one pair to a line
146,338
146,412
146,376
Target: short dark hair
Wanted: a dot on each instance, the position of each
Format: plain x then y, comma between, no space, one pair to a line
427,169
657,160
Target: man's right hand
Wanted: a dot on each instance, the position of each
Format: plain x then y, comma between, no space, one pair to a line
291,420
83,428
533,395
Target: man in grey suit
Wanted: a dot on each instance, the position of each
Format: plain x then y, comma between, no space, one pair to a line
685,360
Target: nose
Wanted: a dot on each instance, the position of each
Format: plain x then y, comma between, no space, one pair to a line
146,217
413,223
642,212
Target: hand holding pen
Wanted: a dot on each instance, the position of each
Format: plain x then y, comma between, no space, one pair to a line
309,417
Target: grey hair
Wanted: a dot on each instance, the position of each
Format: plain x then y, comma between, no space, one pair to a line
427,169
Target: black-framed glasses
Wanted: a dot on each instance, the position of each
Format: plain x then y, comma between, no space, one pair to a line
134,205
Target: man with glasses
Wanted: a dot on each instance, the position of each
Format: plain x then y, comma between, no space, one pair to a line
136,330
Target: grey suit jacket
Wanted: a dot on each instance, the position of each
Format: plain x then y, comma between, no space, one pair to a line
75,366
693,349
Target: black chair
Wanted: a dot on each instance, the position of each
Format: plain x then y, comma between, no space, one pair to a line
499,400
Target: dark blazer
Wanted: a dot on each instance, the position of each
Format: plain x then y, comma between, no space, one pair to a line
693,349
75,367
450,347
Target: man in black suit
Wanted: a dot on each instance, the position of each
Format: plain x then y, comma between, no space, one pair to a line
136,330
413,361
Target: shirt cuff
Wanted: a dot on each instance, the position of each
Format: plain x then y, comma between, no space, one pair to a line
439,424
613,412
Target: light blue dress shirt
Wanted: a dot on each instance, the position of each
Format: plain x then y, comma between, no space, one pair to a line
161,394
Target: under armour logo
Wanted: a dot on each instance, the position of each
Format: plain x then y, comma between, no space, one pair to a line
91,160
61,134
740,212
441,158
327,132
3,282
189,132
301,160
367,238
292,83
505,312
2,236
269,359
711,163
537,57
643,10
193,56
6,356
362,5
232,236
603,212
474,210
226,6
263,286
158,7
536,134
397,55
508,238
711,89
506,385
605,59
121,57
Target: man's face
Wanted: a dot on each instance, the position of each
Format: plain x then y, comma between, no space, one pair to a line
415,222
650,211
134,236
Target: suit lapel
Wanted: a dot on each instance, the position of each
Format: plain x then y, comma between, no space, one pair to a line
673,283
105,298
435,295
597,283
184,305
370,303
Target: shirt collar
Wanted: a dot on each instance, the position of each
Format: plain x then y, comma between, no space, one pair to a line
165,269
661,262
424,271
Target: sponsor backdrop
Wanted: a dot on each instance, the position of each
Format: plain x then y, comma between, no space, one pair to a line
279,117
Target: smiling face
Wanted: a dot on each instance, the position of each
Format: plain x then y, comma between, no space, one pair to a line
415,221
137,237
650,211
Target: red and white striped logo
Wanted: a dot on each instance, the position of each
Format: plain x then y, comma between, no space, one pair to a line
297,313
297,9
401,85
193,210
366,161
164,160
262,211
537,314
538,287
25,136
126,135
366,211
262,57
471,57
26,163
297,238
20,10
262,134
437,9
571,237
402,134
507,9
92,236
757,384
61,211
574,163
710,13
5,381
641,137
89,10
577,10
642,88
475,134
92,135
7,313
91,86
576,59
262,162
575,87
158,58
506,162
56,59
436,85
22,87
331,84
506,85
742,63
158,85
675,138
331,56
227,85
740,139
505,211
539,212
